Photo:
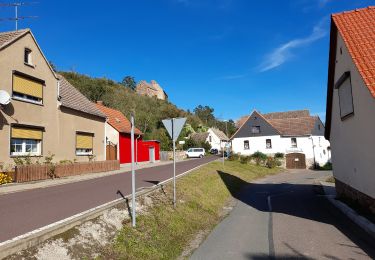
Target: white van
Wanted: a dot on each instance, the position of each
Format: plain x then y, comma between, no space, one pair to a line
195,152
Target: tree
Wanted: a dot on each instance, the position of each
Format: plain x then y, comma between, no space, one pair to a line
205,113
129,82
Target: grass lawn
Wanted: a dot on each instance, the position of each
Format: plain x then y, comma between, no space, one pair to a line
164,232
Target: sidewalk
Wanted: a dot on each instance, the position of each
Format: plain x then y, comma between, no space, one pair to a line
364,223
16,187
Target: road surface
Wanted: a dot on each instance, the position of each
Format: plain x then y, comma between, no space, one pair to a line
25,211
285,216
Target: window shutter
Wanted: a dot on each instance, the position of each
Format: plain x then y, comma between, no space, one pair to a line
26,133
84,141
28,87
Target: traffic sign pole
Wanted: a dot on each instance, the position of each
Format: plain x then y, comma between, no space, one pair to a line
133,170
174,166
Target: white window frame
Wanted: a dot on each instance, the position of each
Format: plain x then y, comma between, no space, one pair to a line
24,152
270,147
292,144
80,151
27,98
29,57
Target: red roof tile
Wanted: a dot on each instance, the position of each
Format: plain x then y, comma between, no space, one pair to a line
117,120
357,29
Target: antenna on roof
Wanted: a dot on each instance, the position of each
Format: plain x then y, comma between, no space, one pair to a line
16,18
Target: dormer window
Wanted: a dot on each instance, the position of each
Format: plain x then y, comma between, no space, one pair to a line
28,57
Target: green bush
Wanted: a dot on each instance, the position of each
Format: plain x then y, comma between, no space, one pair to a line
245,159
271,162
327,166
278,163
279,156
234,157
259,157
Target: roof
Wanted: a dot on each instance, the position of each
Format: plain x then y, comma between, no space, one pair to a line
200,137
71,98
117,120
288,123
241,121
7,38
220,134
357,28
296,126
287,114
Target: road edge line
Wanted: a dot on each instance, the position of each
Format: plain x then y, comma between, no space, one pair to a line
39,235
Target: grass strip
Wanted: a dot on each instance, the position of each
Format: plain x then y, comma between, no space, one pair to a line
164,232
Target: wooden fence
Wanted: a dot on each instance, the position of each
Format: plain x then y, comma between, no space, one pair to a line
41,172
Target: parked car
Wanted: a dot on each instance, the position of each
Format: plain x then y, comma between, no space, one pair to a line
195,152
214,151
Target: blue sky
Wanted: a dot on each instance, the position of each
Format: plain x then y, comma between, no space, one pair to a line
233,55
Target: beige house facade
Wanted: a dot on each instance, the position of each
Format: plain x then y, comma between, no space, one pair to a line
351,106
46,115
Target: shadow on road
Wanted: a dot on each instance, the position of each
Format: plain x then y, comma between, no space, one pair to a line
299,200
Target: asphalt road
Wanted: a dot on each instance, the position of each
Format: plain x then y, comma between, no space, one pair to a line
25,211
285,216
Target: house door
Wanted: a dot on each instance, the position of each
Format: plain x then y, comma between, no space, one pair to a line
151,152
295,161
111,152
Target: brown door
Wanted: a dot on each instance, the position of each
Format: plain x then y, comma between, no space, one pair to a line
295,161
111,152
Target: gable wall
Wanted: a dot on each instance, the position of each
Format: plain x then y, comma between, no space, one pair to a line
352,140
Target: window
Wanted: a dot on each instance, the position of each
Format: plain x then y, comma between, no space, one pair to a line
246,145
294,142
268,144
27,89
210,139
27,57
344,87
25,141
255,129
84,143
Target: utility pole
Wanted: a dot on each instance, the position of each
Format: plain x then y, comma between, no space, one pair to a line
133,169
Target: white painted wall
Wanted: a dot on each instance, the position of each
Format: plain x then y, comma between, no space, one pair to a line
215,140
283,145
113,136
353,139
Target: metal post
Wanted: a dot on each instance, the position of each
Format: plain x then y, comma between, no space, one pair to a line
174,165
133,170
16,9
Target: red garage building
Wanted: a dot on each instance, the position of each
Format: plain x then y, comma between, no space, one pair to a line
118,140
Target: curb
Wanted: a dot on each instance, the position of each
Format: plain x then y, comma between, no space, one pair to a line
39,235
361,221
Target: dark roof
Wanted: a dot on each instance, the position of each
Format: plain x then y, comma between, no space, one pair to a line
71,98
199,137
117,120
357,29
288,123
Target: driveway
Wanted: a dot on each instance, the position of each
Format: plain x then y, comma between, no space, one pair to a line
22,212
286,216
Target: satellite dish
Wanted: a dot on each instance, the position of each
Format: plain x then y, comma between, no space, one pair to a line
4,98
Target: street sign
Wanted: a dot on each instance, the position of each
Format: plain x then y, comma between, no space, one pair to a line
174,126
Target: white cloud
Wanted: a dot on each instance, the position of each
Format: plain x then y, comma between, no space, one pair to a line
284,52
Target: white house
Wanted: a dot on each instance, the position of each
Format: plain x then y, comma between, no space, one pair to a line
350,121
215,137
297,134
